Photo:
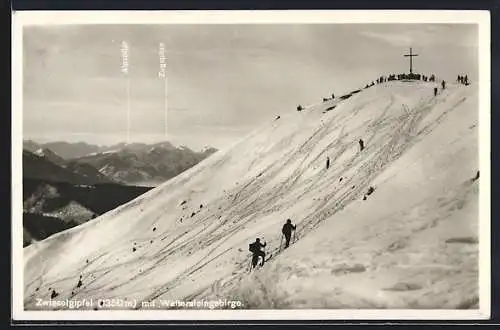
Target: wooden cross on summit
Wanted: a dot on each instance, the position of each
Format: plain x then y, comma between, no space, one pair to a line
411,55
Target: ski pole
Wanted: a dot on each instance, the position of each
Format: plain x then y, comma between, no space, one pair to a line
250,266
264,257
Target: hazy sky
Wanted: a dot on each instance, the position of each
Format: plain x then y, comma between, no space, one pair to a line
223,80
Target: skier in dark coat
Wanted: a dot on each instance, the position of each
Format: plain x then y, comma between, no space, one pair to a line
287,231
443,84
327,162
435,91
255,248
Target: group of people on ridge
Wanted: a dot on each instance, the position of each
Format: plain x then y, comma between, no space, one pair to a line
256,247
460,79
463,79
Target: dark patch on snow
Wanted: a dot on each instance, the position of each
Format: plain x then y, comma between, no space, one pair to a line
368,193
53,294
476,177
346,269
401,286
134,249
397,245
154,228
462,240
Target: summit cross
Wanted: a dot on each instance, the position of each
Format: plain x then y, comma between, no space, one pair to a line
411,55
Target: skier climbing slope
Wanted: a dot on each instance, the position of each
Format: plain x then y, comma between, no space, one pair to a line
286,230
256,249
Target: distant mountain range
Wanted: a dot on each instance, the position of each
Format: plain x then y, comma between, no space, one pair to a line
144,164
65,150
60,192
133,164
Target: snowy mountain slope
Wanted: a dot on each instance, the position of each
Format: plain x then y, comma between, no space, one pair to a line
189,237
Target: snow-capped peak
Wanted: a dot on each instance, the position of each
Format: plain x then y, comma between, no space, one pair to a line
40,152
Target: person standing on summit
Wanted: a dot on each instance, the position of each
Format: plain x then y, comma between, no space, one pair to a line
287,231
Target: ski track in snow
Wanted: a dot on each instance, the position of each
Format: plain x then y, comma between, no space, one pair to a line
247,191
